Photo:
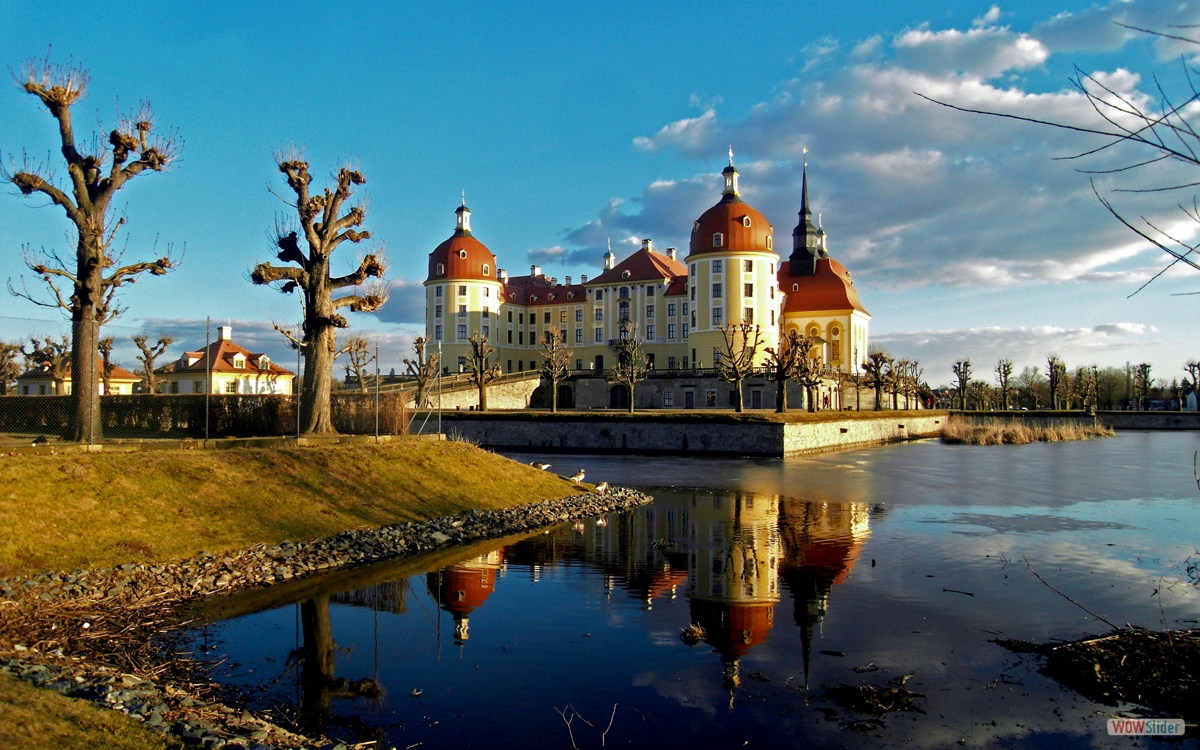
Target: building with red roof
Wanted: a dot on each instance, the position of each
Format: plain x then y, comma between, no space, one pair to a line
732,274
228,367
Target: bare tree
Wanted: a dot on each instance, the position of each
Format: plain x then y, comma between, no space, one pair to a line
784,361
912,382
9,368
423,369
1157,133
558,359
980,395
359,358
1084,385
737,360
1192,367
326,220
809,370
53,357
897,377
962,373
876,368
95,273
631,362
1004,370
1142,383
149,353
1056,373
106,349
482,373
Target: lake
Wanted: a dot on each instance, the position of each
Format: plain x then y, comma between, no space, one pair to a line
851,568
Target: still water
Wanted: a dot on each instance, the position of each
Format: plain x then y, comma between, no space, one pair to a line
901,560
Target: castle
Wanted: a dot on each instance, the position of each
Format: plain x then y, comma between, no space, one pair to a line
730,275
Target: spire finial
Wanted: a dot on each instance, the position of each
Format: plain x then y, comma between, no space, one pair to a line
464,198
731,154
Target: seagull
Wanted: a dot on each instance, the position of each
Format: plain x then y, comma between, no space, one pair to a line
539,465
577,477
602,487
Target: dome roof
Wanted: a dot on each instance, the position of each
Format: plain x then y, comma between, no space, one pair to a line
729,218
830,288
462,257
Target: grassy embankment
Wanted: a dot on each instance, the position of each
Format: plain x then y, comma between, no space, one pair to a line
962,432
84,510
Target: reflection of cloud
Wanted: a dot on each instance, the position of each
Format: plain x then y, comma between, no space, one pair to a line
695,687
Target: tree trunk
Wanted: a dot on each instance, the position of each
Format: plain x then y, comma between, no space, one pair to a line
315,413
553,397
878,398
482,396
738,387
781,397
85,341
631,397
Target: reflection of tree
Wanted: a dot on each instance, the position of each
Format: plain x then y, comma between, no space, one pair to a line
318,685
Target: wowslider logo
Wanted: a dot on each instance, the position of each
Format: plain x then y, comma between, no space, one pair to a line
1137,727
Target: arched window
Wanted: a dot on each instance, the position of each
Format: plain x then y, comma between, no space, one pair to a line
770,244
718,239
795,287
441,269
745,221
487,270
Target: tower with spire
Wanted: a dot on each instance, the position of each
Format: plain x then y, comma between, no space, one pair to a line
808,240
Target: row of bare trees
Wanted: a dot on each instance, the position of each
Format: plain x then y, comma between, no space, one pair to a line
1059,387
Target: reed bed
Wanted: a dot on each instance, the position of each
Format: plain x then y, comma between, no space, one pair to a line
969,432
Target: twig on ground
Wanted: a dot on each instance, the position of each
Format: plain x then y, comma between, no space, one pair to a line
1064,596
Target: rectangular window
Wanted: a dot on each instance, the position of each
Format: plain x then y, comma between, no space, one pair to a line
462,333
510,365
486,312
670,363
716,294
546,317
748,290
718,317
230,387
749,266
716,266
486,330
772,269
670,331
649,311
487,292
578,337
579,315
437,311
510,316
710,399
520,365
579,364
716,357
650,332
693,269
772,317
650,291
599,294
668,396
685,312
462,291
510,341
772,292
521,338
197,386
562,316
671,310
437,333
685,362
599,314
462,311
748,316
174,387
693,293
599,334
718,241
437,292
685,330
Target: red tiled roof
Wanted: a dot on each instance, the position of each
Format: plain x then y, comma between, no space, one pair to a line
644,265
830,288
728,218
222,353
118,373
537,290
463,257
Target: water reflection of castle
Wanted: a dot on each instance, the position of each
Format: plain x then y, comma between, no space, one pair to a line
461,589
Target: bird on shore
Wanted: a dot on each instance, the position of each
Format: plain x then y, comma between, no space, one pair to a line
577,477
602,487
539,465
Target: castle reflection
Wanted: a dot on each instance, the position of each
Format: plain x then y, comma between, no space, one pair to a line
461,589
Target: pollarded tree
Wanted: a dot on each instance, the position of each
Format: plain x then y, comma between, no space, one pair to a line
106,364
1142,383
326,220
808,374
876,369
482,373
423,369
53,357
783,362
358,351
631,361
149,353
962,373
737,360
1004,370
1055,372
981,395
95,174
558,359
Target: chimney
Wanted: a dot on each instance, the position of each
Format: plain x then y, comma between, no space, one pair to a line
503,275
671,253
553,281
535,270
583,278
225,333
568,283
647,245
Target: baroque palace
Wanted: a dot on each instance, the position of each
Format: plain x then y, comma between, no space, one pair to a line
730,275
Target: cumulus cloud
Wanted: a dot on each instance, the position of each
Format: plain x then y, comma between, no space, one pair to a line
406,303
1105,28
1108,344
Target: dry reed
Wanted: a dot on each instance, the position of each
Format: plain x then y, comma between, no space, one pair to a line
964,432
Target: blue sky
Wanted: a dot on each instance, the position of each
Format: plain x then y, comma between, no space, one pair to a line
571,125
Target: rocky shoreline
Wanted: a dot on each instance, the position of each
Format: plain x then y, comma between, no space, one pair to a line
106,635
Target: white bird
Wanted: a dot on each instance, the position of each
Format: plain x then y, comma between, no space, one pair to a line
602,487
539,465
577,477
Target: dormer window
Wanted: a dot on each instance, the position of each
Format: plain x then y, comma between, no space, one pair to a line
769,243
718,239
550,297
795,287
487,270
441,269
239,362
264,362
745,221
462,254
695,227
625,274
570,295
533,298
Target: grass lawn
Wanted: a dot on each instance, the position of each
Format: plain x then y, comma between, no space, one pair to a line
32,718
88,510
